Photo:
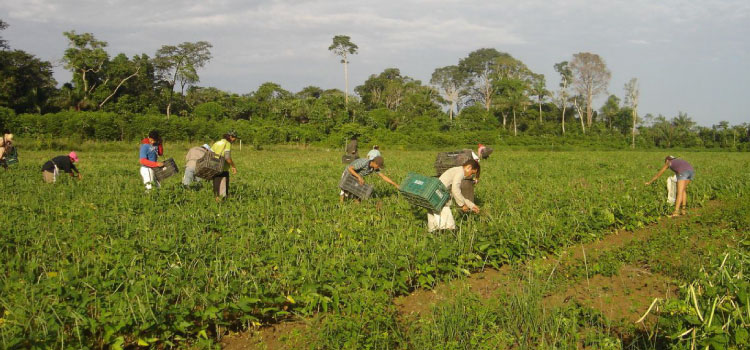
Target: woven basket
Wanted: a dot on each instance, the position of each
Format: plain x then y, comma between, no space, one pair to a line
209,166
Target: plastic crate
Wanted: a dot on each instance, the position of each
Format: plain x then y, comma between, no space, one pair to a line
169,169
425,192
209,166
348,158
447,160
350,184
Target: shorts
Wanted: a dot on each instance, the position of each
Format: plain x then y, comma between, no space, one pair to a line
686,175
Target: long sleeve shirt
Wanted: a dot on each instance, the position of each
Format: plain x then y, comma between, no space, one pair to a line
148,154
452,178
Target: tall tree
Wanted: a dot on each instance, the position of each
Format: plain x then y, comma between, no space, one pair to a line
566,77
343,46
539,89
610,110
180,64
26,82
591,78
631,99
3,43
511,82
480,67
449,80
85,57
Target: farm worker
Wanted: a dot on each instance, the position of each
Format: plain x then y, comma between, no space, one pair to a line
151,149
452,179
66,163
223,148
351,147
363,167
374,152
685,175
480,149
193,156
5,148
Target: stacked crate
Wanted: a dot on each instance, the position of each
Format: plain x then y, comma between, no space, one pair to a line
447,160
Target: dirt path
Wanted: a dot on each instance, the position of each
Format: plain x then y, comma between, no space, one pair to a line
623,296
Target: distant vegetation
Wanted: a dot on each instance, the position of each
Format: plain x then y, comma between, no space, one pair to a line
484,97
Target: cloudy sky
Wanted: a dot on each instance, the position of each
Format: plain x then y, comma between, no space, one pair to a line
690,56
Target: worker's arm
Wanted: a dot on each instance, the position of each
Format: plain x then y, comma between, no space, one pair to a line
356,175
228,158
661,171
461,201
388,180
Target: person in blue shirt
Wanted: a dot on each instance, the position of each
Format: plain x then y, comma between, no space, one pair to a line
151,149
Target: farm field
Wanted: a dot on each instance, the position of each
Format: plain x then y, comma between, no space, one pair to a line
99,263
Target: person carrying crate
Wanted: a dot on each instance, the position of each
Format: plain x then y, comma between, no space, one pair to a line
363,167
452,179
193,156
151,149
66,163
223,148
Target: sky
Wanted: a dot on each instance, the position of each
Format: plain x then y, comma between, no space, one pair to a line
688,56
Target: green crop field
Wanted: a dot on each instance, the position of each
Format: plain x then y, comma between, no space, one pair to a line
99,263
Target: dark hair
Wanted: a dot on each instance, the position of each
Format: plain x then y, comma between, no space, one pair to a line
474,165
154,134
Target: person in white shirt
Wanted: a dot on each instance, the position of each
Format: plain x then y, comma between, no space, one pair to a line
452,179
374,152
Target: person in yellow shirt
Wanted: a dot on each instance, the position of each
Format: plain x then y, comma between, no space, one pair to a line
223,148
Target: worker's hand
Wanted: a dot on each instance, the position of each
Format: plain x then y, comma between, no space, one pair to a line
475,210
234,170
648,183
465,208
80,177
360,180
159,164
476,181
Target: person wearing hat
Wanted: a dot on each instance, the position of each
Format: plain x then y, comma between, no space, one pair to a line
374,152
193,156
223,148
66,163
6,148
685,174
363,167
452,179
151,149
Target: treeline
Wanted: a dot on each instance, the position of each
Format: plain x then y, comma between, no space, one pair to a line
488,96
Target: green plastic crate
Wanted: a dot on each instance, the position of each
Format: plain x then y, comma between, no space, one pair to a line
426,192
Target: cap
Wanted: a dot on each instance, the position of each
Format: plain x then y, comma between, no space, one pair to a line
232,133
73,156
379,161
670,157
206,146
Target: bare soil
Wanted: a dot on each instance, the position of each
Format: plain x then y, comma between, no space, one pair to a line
625,296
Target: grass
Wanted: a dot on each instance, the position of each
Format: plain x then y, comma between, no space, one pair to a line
100,263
